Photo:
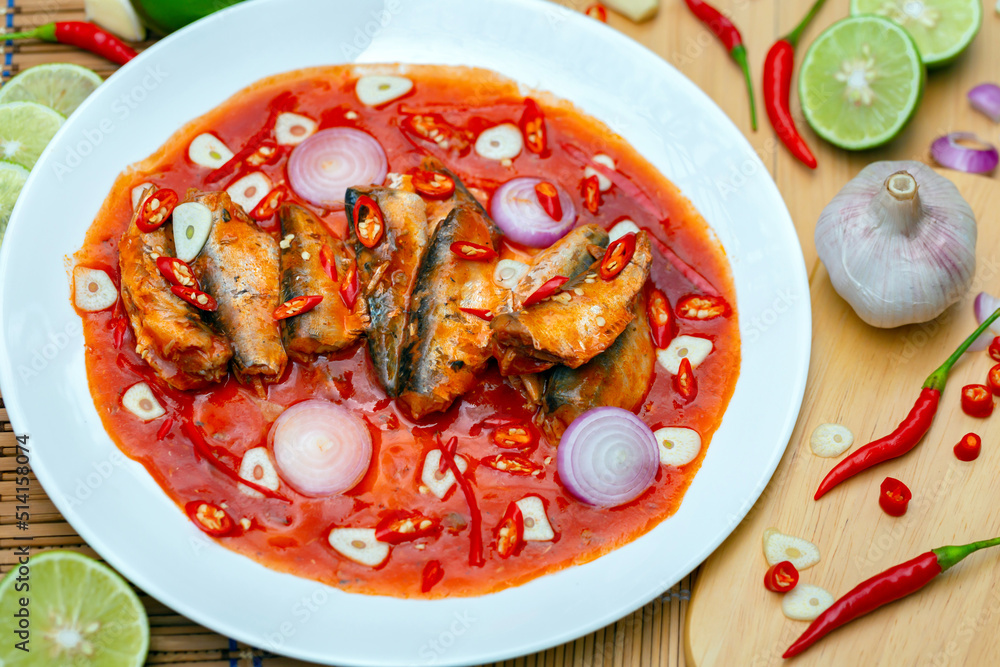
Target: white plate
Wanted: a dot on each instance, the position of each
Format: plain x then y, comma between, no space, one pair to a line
115,505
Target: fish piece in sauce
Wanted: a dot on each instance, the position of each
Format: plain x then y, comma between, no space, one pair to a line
575,324
618,377
170,333
387,274
567,257
239,266
438,209
331,325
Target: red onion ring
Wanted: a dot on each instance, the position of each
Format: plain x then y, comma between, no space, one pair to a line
984,306
947,152
985,98
323,166
518,214
607,457
320,448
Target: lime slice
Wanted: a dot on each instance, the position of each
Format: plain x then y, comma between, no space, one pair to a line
25,130
116,16
942,29
12,177
59,86
860,82
81,613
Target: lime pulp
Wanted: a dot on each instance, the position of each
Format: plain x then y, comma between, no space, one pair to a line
25,130
942,29
59,86
12,178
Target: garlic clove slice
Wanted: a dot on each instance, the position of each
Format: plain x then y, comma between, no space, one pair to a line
803,554
830,440
359,545
805,602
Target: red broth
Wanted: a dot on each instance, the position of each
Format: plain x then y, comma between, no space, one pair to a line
292,537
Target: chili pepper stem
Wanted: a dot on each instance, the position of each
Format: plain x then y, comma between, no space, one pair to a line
950,556
46,33
938,378
793,37
739,54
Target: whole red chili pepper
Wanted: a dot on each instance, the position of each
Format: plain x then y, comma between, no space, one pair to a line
730,37
910,430
82,35
889,586
778,67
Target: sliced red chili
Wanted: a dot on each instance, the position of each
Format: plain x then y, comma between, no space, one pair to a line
781,577
195,297
155,209
433,185
297,306
591,189
532,126
617,256
548,198
473,251
995,349
211,454
597,11
432,574
481,313
515,464
266,153
977,401
510,532
661,318
702,307
969,447
328,261
993,380
212,519
685,383
433,128
268,206
369,223
544,291
177,272
121,326
516,435
448,450
894,497
164,429
401,526
349,288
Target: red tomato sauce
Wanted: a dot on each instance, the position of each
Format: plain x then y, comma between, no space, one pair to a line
292,536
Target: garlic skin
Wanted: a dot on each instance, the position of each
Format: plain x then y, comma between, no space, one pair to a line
899,243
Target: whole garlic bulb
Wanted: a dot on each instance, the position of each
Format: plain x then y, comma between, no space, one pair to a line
899,242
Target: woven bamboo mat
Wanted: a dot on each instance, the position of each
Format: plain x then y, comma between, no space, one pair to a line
651,636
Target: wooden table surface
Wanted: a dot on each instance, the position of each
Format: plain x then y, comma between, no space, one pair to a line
653,635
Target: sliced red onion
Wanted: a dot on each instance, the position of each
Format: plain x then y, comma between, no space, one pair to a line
948,152
320,448
323,166
607,457
986,98
985,305
516,211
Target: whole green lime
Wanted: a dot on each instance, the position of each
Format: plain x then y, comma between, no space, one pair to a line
166,16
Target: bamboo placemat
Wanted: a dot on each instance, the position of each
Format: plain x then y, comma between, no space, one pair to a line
650,636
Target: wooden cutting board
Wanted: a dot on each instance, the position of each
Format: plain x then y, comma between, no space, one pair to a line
867,379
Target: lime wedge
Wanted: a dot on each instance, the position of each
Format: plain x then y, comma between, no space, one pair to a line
942,29
59,86
860,82
12,177
81,613
116,16
25,130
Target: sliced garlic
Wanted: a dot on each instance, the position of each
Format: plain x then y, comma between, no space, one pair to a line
603,182
93,289
207,150
250,190
695,348
140,401
137,193
509,273
621,228
500,142
192,225
536,524
830,440
437,482
292,128
636,10
803,554
360,545
258,468
805,602
377,89
678,446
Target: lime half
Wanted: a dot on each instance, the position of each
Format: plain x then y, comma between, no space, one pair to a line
12,177
59,86
942,29
860,82
81,613
25,130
